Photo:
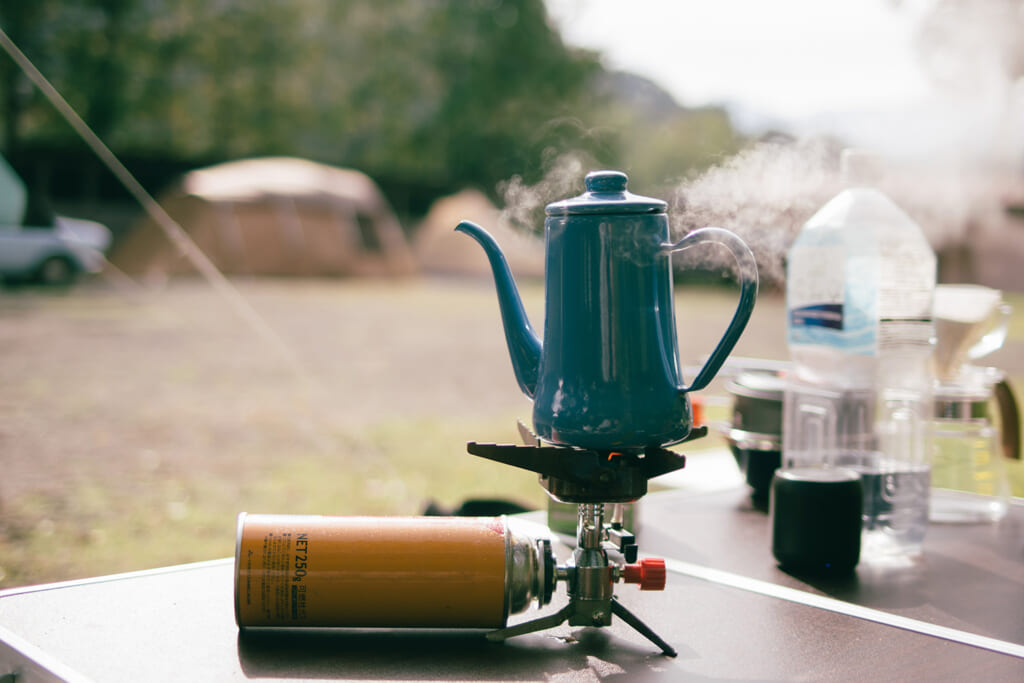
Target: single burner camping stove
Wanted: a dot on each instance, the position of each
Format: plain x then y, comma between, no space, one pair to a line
605,380
605,553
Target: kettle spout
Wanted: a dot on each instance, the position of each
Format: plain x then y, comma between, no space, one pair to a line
524,346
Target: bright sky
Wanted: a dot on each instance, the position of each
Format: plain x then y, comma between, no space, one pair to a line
791,60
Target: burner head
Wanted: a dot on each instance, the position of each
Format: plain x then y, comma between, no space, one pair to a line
579,475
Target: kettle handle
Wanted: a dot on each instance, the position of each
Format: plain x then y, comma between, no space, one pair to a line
747,268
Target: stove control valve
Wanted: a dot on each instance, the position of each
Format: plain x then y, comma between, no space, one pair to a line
650,573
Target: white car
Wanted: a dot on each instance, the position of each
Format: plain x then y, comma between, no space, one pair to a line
55,254
36,245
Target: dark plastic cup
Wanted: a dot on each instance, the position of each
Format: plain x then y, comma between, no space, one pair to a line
816,519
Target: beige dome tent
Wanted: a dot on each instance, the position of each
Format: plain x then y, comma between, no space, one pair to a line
441,250
273,216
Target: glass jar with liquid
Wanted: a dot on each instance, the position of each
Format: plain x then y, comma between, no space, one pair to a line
969,479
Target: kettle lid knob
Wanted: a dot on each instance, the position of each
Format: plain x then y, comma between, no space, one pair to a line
606,182
606,194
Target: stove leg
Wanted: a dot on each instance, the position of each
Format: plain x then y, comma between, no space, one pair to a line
620,611
539,624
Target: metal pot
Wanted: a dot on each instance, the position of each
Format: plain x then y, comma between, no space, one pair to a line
755,431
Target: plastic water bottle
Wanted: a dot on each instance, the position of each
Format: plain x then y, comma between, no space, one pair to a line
860,281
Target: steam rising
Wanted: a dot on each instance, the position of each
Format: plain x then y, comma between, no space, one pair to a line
765,194
524,204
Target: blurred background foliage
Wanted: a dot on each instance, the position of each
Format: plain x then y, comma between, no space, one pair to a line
428,96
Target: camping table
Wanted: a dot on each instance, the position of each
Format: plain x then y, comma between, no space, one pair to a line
955,614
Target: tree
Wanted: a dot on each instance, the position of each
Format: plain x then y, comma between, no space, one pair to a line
22,22
447,94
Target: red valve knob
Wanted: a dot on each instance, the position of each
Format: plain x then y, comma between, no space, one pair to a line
649,573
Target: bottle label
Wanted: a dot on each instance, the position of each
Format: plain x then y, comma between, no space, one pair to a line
818,315
826,306
905,305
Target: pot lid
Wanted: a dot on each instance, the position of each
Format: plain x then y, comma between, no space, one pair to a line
758,385
606,194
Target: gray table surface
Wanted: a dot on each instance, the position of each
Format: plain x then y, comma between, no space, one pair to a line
728,610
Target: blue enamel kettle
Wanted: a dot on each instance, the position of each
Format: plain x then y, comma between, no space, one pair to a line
607,374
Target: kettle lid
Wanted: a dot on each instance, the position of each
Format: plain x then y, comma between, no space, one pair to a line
606,194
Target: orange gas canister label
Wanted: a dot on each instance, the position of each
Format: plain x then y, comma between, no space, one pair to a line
281,560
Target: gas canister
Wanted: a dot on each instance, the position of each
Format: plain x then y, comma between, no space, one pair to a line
315,570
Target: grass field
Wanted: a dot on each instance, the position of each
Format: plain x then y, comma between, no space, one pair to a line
135,425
